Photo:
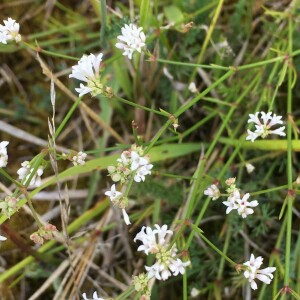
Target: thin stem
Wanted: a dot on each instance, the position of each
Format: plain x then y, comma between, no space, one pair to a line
25,193
199,232
289,162
67,117
40,50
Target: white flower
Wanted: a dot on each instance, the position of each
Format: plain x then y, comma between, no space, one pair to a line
132,39
192,87
167,263
131,163
79,159
194,292
262,128
95,297
250,168
231,203
137,161
87,70
3,154
2,238
213,192
142,172
113,194
241,205
147,237
178,266
253,272
10,31
25,172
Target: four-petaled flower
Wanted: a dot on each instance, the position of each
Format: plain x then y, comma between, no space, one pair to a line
113,194
263,126
132,39
253,272
87,70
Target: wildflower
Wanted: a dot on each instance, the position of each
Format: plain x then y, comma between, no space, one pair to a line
213,192
95,296
25,172
119,200
87,70
10,31
137,161
194,292
253,272
2,238
148,237
9,205
113,194
46,232
132,162
132,39
231,203
262,128
250,168
3,154
79,159
167,262
192,87
240,204
178,266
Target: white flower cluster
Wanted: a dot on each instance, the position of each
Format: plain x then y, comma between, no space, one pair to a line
79,159
9,31
132,163
235,200
263,126
253,271
132,39
167,262
87,70
3,154
25,172
95,297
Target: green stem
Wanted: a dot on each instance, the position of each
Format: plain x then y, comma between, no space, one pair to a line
7,176
40,50
138,106
199,232
25,193
289,163
67,117
225,248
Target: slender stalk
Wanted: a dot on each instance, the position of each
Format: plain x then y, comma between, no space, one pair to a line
289,161
40,50
199,232
67,117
